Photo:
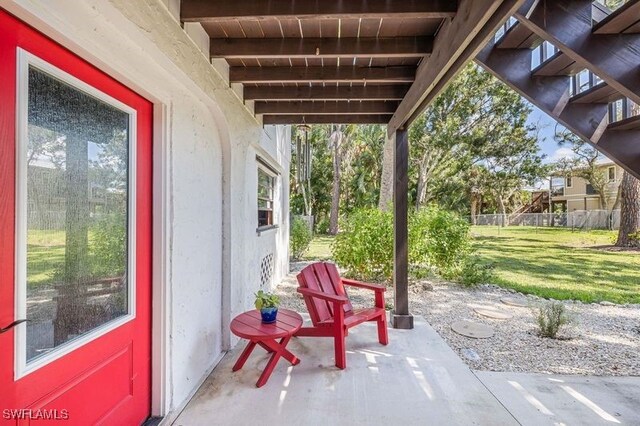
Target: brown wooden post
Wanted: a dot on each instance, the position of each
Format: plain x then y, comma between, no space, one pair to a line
400,317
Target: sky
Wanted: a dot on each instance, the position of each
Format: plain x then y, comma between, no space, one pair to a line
548,145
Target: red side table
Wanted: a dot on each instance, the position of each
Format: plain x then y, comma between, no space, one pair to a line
249,326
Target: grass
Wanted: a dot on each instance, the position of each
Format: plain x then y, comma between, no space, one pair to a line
559,263
45,255
320,248
549,262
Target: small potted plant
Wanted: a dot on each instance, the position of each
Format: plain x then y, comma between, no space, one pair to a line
267,304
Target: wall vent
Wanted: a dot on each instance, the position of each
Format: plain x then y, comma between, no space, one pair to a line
266,271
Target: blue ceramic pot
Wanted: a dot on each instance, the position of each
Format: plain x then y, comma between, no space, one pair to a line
269,315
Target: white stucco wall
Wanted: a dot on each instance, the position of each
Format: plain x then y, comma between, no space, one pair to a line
209,142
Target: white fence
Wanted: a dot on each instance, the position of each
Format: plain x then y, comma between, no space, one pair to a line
581,219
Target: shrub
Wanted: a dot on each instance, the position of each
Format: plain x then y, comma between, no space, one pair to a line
299,238
551,317
364,245
109,245
439,239
474,271
322,225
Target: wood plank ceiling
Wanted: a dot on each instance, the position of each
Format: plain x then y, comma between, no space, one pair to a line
323,61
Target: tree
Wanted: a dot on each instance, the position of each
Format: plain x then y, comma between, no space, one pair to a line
474,112
386,175
512,161
629,211
475,179
318,198
337,140
362,167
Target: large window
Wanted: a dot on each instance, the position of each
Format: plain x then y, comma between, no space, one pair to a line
612,174
74,230
266,186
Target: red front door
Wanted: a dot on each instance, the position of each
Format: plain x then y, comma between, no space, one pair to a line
75,238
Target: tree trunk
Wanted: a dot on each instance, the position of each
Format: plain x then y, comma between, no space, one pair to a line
335,192
386,181
603,200
616,204
629,210
421,188
474,207
503,210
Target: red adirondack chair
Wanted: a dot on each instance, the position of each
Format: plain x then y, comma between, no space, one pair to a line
331,312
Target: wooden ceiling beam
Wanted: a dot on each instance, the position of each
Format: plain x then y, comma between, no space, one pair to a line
332,93
325,107
327,119
218,10
370,47
458,41
330,74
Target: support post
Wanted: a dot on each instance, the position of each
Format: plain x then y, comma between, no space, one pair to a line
400,317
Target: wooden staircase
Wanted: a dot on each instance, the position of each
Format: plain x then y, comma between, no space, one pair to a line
587,36
538,204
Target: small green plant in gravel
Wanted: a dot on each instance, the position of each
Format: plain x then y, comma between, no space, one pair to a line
474,271
551,317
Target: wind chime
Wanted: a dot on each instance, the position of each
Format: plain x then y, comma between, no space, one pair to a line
303,165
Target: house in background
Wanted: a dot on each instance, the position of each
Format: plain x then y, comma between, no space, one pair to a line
574,193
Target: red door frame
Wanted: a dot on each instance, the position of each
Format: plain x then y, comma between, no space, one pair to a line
89,369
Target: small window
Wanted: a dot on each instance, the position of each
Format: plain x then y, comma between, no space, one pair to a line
612,174
569,181
266,185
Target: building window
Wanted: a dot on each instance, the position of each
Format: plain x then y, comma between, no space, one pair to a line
569,181
612,174
266,185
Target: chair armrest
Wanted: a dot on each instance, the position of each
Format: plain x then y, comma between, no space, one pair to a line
324,296
354,283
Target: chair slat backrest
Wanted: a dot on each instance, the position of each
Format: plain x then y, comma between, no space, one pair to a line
323,277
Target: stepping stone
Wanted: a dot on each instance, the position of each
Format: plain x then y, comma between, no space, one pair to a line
470,354
493,313
472,329
513,302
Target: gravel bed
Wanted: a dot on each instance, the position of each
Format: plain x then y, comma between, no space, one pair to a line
602,339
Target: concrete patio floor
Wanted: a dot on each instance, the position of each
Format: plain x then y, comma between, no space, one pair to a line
416,380
542,399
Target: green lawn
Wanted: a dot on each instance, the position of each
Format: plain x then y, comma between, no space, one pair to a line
549,262
559,263
320,248
45,255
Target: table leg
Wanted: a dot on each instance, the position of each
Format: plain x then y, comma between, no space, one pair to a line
279,350
243,357
282,348
265,346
